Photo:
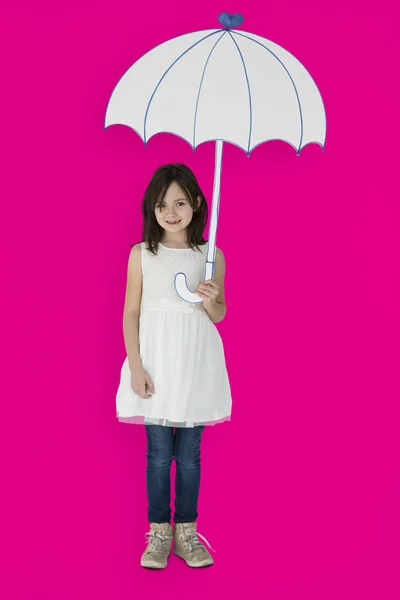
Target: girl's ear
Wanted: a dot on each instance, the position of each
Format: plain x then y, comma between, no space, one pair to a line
198,202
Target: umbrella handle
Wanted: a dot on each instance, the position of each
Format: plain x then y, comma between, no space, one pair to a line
180,278
181,285
183,291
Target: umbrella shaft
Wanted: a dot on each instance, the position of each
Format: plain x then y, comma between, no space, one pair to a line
212,234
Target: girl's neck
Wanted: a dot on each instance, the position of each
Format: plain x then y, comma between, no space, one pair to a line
171,242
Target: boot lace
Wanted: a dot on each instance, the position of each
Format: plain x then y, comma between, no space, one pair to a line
157,541
192,542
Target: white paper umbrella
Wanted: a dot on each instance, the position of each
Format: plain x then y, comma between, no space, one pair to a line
224,86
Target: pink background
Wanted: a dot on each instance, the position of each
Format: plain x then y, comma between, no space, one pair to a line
300,492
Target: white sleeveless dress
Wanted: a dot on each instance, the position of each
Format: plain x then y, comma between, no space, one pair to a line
180,348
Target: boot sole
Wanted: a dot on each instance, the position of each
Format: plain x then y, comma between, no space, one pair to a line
153,567
194,566
157,567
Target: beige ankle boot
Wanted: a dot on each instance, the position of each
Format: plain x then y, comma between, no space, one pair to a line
159,545
188,546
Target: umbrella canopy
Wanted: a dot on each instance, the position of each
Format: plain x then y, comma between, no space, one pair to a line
220,84
224,86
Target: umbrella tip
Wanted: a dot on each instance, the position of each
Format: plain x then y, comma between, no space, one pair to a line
229,21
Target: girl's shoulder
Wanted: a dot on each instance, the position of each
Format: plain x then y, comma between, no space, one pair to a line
220,260
136,251
135,262
219,255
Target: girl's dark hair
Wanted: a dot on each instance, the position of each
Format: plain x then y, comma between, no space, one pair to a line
152,232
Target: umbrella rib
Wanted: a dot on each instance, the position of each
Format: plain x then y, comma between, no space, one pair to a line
248,89
165,73
201,83
291,79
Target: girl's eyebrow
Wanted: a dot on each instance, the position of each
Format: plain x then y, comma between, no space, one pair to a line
177,200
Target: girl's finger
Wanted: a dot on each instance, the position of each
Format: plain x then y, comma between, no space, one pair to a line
209,283
205,291
209,295
150,385
200,294
209,288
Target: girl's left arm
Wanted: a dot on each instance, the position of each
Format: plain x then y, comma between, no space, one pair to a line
212,291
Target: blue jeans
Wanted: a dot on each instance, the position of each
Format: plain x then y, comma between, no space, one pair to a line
164,444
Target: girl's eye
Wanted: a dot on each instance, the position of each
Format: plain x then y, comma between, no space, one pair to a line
161,206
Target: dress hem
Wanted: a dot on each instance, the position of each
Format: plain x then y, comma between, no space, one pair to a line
142,420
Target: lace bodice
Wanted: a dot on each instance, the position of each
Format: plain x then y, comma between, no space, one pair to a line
159,275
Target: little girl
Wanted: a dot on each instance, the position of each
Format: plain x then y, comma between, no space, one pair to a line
174,378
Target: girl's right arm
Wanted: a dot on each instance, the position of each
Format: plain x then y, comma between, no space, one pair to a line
133,296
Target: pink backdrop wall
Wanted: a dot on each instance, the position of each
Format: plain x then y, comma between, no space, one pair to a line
300,492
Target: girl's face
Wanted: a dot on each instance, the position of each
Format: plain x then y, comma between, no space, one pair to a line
174,213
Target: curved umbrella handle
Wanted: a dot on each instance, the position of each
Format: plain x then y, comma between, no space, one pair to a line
183,291
180,278
181,285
